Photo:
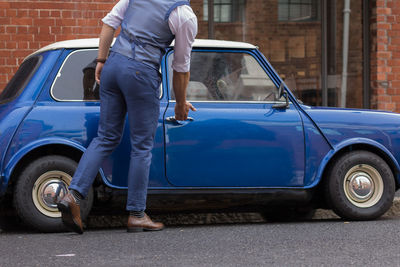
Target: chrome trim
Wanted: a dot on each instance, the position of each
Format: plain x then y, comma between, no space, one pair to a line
232,101
59,75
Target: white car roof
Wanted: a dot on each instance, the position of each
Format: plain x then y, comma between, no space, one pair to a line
94,43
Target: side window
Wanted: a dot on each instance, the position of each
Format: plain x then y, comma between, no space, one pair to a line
75,80
20,79
227,76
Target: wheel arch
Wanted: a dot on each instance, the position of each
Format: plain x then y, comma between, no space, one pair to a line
39,149
366,145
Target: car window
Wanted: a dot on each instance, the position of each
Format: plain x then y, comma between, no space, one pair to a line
75,80
226,76
20,79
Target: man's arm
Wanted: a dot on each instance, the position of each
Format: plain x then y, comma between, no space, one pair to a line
180,81
106,38
111,22
183,24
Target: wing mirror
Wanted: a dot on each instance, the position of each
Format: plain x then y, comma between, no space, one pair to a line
282,93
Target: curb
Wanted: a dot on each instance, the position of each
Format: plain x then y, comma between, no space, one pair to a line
104,221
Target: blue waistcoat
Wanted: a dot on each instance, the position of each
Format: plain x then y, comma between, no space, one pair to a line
145,32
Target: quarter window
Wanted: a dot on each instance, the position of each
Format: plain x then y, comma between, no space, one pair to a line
21,78
76,81
227,76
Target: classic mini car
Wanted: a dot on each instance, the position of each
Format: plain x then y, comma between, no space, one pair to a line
250,145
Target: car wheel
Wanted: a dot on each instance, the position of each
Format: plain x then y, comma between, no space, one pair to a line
360,186
37,188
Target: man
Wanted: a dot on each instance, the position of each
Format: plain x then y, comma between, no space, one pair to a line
130,82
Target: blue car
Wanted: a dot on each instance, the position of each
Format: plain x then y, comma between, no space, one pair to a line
251,145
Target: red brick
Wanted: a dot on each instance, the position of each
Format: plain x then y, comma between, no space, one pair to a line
22,13
384,54
44,22
385,11
21,21
396,84
381,77
11,12
33,13
395,99
384,98
11,45
4,5
384,69
23,45
11,29
11,61
385,26
55,14
381,3
22,29
24,37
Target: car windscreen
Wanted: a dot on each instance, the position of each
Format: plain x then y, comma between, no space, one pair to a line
20,79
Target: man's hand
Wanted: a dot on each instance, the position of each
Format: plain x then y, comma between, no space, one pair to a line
180,81
182,111
99,68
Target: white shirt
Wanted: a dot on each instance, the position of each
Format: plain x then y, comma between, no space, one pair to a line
182,23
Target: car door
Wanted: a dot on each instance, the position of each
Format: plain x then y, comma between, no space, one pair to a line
236,138
75,97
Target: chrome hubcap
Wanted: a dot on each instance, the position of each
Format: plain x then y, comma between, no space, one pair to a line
363,186
52,190
48,189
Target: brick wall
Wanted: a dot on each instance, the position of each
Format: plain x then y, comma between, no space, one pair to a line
385,55
294,48
25,26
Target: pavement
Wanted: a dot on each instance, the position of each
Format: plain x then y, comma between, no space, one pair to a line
95,222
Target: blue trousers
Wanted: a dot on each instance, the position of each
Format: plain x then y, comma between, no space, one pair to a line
127,86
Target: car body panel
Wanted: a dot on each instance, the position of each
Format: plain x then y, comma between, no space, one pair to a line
346,127
316,149
12,113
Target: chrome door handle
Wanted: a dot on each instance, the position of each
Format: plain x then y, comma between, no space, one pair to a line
173,120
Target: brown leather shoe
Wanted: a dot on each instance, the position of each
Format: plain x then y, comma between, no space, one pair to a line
136,224
70,213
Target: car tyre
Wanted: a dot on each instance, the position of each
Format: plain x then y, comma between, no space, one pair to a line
360,186
35,193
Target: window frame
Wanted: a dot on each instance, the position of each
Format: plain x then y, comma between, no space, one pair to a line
236,7
314,4
59,75
249,52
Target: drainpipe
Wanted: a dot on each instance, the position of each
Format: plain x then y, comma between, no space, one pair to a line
211,19
346,26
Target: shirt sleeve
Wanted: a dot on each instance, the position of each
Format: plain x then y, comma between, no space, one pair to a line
183,24
116,15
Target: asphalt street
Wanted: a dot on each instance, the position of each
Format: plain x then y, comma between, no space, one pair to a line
320,242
